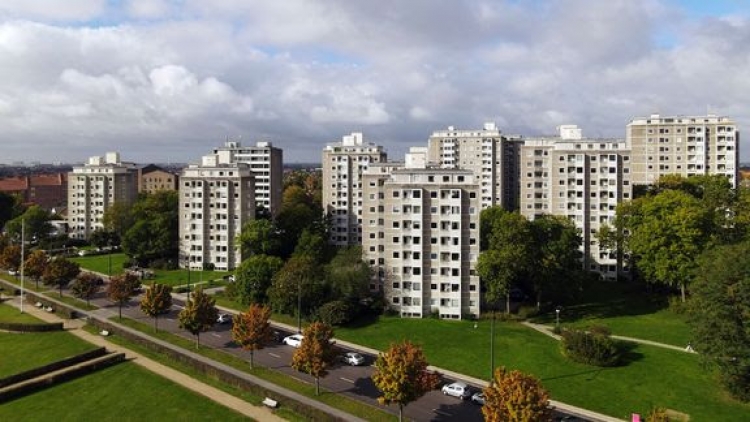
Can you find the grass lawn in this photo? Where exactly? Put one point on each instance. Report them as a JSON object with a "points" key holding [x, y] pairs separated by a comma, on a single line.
{"points": [[24, 351], [100, 264], [628, 311], [654, 376], [121, 392], [224, 301], [346, 404]]}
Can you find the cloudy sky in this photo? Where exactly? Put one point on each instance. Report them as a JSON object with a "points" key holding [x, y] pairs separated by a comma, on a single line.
{"points": [[167, 80]]}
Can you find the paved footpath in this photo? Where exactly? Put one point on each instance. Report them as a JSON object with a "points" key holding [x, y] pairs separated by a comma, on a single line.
{"points": [[75, 327]]}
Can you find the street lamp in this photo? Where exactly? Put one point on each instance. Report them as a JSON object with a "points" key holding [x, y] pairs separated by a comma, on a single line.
{"points": [[557, 320], [299, 305]]}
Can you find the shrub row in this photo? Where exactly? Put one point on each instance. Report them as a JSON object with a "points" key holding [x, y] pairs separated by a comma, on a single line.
{"points": [[592, 347], [54, 366], [212, 371]]}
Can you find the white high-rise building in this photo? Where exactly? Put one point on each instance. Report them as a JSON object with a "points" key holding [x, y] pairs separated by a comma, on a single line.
{"points": [[581, 179], [217, 197], [94, 187], [267, 164], [421, 236], [343, 165], [490, 155], [684, 145]]}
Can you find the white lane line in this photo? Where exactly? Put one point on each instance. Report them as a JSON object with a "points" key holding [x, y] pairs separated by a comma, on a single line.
{"points": [[347, 380], [440, 412], [274, 355], [216, 335]]}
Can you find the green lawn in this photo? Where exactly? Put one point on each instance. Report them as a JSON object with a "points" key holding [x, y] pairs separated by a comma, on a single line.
{"points": [[654, 376], [100, 264], [24, 351], [121, 392], [628, 311]]}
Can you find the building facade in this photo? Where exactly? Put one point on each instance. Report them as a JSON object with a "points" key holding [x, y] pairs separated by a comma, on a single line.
{"points": [[49, 191], [490, 155], [684, 145], [343, 165], [583, 180], [152, 178], [94, 187], [217, 198], [421, 236], [267, 164]]}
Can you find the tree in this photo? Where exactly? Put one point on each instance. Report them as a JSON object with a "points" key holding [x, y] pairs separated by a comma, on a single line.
{"points": [[316, 353], [401, 375], [251, 329], [348, 275], [719, 311], [59, 272], [254, 276], [154, 233], [121, 288], [556, 255], [10, 207], [515, 397], [102, 238], [259, 237], [300, 280], [36, 220], [86, 286], [10, 258], [35, 264], [509, 255], [156, 301], [199, 314], [667, 232], [118, 218]]}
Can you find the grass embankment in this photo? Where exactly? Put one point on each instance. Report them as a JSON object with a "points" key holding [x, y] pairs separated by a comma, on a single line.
{"points": [[101, 264], [341, 402], [24, 351], [121, 392]]}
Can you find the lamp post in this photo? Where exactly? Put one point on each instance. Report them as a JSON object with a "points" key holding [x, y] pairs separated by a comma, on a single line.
{"points": [[299, 305], [23, 258], [557, 319]]}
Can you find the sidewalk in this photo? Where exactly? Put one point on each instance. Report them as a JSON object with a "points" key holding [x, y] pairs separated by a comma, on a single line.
{"points": [[75, 327]]}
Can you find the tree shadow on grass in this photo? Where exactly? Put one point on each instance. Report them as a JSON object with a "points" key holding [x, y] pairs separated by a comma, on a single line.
{"points": [[363, 321], [628, 353]]}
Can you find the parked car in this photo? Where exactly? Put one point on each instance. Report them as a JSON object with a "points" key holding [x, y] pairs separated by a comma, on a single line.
{"points": [[478, 398], [224, 319], [353, 358], [457, 389], [293, 340]]}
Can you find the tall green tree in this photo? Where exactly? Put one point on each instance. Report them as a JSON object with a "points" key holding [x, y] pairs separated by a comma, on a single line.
{"points": [[156, 301], [316, 353], [118, 218], [199, 314], [260, 237], [102, 238], [515, 397], [299, 282], [36, 220], [85, 286], [251, 329], [35, 264], [154, 233], [401, 375], [719, 313], [556, 264], [254, 276], [509, 256], [667, 232], [59, 272], [348, 274], [10, 207]]}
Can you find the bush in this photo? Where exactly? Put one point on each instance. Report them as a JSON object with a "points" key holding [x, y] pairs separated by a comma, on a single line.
{"points": [[163, 264], [677, 306], [658, 414], [526, 312], [591, 348], [336, 312]]}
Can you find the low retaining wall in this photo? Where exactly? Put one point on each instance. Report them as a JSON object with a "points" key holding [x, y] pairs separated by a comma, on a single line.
{"points": [[37, 384], [31, 327], [52, 367]]}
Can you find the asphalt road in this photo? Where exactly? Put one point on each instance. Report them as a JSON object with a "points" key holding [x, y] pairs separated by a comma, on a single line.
{"points": [[352, 381]]}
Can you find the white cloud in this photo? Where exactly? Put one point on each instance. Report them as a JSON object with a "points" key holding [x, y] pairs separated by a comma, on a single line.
{"points": [[67, 10]]}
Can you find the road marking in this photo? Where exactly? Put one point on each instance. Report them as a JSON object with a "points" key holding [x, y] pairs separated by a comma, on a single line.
{"points": [[216, 335], [440, 412], [347, 380], [274, 355]]}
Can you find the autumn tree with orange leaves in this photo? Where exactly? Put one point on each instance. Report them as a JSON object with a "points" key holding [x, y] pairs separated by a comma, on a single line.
{"points": [[316, 353], [515, 397], [251, 330], [401, 375]]}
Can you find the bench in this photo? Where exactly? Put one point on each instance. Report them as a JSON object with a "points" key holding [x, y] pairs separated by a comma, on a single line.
{"points": [[49, 309], [104, 333], [273, 404], [38, 304]]}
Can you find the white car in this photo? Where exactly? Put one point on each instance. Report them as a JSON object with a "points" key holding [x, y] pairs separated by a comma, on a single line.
{"points": [[457, 389], [353, 359], [293, 340], [224, 319]]}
